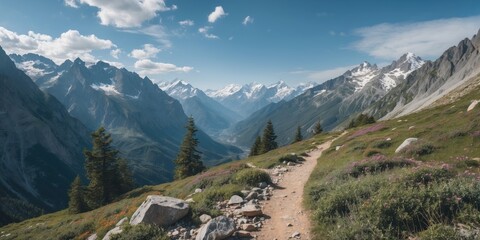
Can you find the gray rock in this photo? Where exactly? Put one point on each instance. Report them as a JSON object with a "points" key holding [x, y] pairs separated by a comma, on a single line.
{"points": [[116, 230], [262, 185], [295, 235], [218, 228], [92, 237], [235, 199], [121, 222], [405, 144], [160, 210], [243, 234], [251, 210], [248, 227], [204, 218], [255, 189], [198, 190], [251, 195], [472, 105]]}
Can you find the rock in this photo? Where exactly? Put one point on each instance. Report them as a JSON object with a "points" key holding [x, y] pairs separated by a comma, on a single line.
{"points": [[116, 230], [121, 222], [248, 227], [235, 199], [262, 185], [198, 190], [258, 190], [245, 192], [405, 144], [204, 218], [241, 221], [251, 195], [295, 235], [337, 148], [472, 105], [92, 237], [243, 234], [290, 164], [411, 127], [160, 210], [218, 228], [251, 210], [289, 225], [388, 139], [190, 200]]}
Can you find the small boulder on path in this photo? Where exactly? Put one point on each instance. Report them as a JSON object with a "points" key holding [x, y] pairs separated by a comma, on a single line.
{"points": [[160, 210], [405, 144], [218, 228], [251, 210], [235, 199]]}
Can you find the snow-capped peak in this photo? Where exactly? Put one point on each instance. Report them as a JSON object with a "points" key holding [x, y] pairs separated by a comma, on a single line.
{"points": [[225, 91], [179, 89]]}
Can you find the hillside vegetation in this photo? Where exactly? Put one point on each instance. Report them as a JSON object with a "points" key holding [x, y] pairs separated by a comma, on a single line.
{"points": [[362, 189]]}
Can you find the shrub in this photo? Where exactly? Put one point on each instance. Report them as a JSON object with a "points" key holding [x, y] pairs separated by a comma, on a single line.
{"points": [[371, 129], [372, 152], [251, 177], [205, 201], [426, 176], [360, 120], [141, 231], [376, 164], [382, 144], [418, 149], [440, 232], [291, 158]]}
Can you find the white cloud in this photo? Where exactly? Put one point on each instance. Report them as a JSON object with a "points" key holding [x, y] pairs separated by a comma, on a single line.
{"points": [[216, 14], [125, 13], [148, 51], [324, 75], [205, 32], [71, 3], [115, 64], [69, 45], [426, 39], [247, 20], [148, 67], [115, 52], [156, 31], [187, 22]]}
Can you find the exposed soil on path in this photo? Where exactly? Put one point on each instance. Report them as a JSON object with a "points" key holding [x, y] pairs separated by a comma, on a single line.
{"points": [[285, 211]]}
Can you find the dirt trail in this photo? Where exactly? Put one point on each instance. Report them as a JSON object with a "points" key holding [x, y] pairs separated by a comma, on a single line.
{"points": [[286, 207]]}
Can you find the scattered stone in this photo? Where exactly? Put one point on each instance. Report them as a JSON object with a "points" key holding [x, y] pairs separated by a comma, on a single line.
{"points": [[388, 139], [92, 237], [116, 230], [245, 192], [289, 225], [241, 221], [251, 210], [411, 127], [248, 227], [262, 185], [121, 222], [255, 189], [243, 234], [295, 235], [235, 199], [291, 164], [218, 228], [337, 148], [198, 190], [251, 195], [472, 105], [204, 218], [405, 144], [190, 200], [160, 210]]}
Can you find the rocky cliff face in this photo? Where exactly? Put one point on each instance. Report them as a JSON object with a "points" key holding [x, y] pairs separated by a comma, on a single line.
{"points": [[432, 81], [41, 144], [332, 102]]}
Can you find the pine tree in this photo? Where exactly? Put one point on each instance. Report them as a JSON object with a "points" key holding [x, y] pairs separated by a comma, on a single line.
{"points": [[102, 164], [317, 129], [298, 135], [76, 203], [268, 138], [188, 161], [256, 147]]}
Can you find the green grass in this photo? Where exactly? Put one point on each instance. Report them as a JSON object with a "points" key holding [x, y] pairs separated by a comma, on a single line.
{"points": [[364, 190]]}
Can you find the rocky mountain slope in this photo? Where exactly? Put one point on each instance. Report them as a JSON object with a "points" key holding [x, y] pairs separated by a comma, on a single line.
{"points": [[210, 116], [251, 97], [146, 124], [331, 102], [432, 81], [41, 146]]}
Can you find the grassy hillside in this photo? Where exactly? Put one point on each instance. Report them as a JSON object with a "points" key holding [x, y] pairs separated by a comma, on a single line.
{"points": [[431, 190], [219, 183]]}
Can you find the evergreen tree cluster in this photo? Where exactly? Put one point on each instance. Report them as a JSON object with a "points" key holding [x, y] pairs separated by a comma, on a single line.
{"points": [[360, 120], [317, 129], [108, 175], [298, 135], [188, 162], [265, 143]]}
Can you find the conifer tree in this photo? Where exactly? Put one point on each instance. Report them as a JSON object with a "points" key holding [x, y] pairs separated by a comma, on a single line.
{"points": [[125, 177], [102, 166], [317, 129], [268, 138], [298, 135], [76, 194], [256, 147], [188, 160]]}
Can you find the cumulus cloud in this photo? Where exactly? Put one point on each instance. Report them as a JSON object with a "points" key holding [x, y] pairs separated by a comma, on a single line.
{"points": [[148, 51], [156, 31], [115, 64], [149, 67], [324, 75], [426, 39], [247, 20], [125, 13], [187, 22], [205, 32], [216, 14], [69, 45], [115, 52]]}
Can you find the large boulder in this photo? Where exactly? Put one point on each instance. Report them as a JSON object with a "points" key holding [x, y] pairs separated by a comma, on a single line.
{"points": [[405, 144], [251, 210], [160, 210], [218, 228]]}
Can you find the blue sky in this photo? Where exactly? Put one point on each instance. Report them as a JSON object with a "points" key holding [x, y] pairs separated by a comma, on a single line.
{"points": [[214, 43]]}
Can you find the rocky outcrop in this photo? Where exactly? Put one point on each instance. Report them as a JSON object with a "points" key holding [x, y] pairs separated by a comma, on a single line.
{"points": [[472, 105], [160, 210], [405, 144], [218, 228]]}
